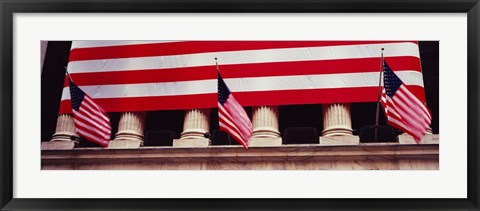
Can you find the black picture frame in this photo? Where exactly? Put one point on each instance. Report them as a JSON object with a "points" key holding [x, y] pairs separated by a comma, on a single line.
{"points": [[10, 7]]}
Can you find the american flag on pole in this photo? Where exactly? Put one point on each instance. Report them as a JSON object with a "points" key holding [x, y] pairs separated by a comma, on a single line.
{"points": [[232, 117], [90, 120], [165, 75], [403, 109]]}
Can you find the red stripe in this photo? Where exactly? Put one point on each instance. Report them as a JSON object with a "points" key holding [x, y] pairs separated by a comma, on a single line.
{"points": [[416, 125], [397, 126], [93, 131], [191, 47], [409, 119], [422, 108], [337, 66], [232, 130], [143, 76], [243, 70], [238, 118], [282, 97], [97, 115], [82, 118], [237, 138], [99, 139], [314, 96], [417, 108], [89, 101], [226, 116], [151, 103]]}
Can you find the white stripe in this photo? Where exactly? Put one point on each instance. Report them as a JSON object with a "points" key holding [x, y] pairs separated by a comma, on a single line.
{"points": [[232, 132], [276, 83], [89, 121], [344, 80], [228, 122], [89, 104], [98, 114], [239, 116], [395, 114], [392, 114], [90, 136], [391, 109], [398, 123], [416, 100], [247, 56], [92, 129], [147, 89], [106, 43], [93, 121], [94, 116], [406, 105], [398, 118], [241, 125], [412, 103], [409, 118], [224, 111]]}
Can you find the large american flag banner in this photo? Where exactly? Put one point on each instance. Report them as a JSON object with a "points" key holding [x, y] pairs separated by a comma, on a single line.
{"points": [[231, 116], [162, 75], [90, 120], [403, 109]]}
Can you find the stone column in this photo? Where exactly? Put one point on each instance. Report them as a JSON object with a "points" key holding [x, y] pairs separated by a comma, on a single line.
{"points": [[130, 130], [337, 124], [196, 123], [336, 120], [265, 126], [65, 136]]}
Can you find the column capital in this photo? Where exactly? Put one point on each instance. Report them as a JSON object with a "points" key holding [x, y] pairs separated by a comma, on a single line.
{"points": [[265, 126], [195, 124], [130, 130], [337, 123], [337, 120], [65, 136]]}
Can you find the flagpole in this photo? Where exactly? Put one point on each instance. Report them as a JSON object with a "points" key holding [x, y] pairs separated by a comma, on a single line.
{"points": [[216, 64], [379, 95], [68, 74]]}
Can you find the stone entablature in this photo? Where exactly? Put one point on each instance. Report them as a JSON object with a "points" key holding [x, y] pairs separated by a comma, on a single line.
{"points": [[286, 157]]}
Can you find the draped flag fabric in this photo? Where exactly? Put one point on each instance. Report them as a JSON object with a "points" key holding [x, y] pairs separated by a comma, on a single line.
{"points": [[403, 109], [91, 122], [162, 75], [231, 116]]}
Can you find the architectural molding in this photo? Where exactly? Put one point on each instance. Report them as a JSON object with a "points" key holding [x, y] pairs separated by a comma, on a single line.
{"points": [[362, 156]]}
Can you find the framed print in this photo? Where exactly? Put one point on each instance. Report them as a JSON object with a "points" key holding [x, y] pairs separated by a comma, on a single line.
{"points": [[239, 105]]}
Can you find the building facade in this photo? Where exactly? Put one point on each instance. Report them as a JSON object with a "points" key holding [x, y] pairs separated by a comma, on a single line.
{"points": [[336, 145]]}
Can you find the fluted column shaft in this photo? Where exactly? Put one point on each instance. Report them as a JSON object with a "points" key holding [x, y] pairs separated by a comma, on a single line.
{"points": [[65, 128], [337, 119], [131, 126], [196, 123], [265, 122]]}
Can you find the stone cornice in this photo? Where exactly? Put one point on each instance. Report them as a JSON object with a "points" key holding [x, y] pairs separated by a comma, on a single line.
{"points": [[284, 153]]}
